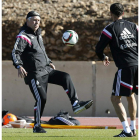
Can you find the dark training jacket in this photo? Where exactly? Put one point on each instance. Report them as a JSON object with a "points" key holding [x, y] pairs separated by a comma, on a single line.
{"points": [[29, 52], [122, 37]]}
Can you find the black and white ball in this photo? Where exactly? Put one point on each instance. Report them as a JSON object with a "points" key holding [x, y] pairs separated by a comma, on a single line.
{"points": [[70, 38]]}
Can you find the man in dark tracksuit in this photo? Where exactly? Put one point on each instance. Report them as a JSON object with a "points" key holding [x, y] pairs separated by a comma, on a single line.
{"points": [[122, 37], [32, 62]]}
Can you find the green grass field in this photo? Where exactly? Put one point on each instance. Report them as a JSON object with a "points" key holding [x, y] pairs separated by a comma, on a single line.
{"points": [[62, 134]]}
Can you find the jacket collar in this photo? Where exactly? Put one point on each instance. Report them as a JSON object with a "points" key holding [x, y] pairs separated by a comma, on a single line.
{"points": [[38, 31], [28, 29]]}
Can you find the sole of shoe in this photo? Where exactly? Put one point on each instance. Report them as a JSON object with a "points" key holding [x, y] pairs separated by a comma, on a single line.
{"points": [[86, 106], [123, 135], [89, 104], [39, 132]]}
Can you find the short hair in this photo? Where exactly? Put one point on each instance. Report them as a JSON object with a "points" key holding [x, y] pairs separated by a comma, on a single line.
{"points": [[117, 9], [29, 18]]}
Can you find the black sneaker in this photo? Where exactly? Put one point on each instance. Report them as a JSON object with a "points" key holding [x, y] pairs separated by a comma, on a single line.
{"points": [[38, 129], [124, 134], [81, 106], [134, 132]]}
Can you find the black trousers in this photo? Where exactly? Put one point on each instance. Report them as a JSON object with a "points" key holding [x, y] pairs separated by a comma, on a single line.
{"points": [[38, 87]]}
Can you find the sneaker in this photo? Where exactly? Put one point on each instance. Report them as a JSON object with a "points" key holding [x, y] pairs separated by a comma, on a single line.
{"points": [[133, 132], [81, 106], [38, 129], [124, 134]]}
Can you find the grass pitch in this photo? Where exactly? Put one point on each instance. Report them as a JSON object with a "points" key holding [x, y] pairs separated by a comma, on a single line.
{"points": [[62, 134]]}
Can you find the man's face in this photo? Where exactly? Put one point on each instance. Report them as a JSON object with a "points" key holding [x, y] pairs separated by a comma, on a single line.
{"points": [[33, 22]]}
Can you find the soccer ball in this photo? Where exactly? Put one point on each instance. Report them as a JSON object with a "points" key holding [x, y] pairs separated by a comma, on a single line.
{"points": [[70, 38], [9, 118]]}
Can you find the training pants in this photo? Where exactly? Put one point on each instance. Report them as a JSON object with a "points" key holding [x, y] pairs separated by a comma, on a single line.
{"points": [[38, 87]]}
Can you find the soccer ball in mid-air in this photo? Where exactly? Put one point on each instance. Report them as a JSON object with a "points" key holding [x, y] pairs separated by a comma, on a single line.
{"points": [[70, 38], [9, 118]]}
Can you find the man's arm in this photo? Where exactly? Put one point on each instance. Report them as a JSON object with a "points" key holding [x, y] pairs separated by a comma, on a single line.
{"points": [[105, 38], [19, 47]]}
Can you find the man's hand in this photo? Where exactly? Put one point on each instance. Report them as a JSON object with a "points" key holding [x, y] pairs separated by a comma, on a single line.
{"points": [[52, 66], [106, 61], [22, 72]]}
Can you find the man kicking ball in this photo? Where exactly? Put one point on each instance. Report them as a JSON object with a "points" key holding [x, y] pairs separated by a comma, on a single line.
{"points": [[30, 58]]}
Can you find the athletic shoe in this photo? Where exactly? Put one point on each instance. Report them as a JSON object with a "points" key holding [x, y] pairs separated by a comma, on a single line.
{"points": [[134, 132], [81, 106], [38, 129], [124, 134]]}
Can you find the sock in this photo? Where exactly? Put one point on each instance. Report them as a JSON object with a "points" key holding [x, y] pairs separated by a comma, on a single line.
{"points": [[75, 103], [126, 127], [133, 124]]}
